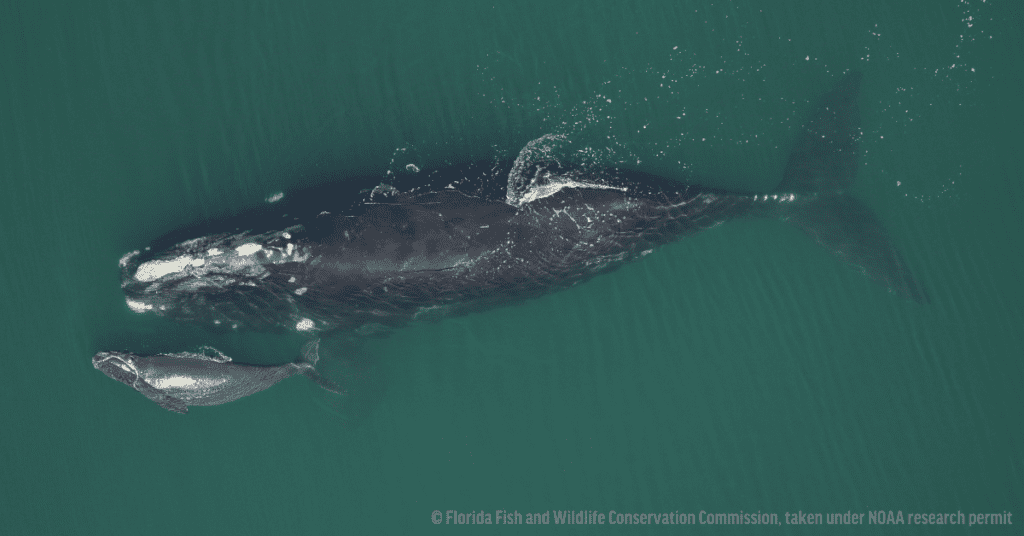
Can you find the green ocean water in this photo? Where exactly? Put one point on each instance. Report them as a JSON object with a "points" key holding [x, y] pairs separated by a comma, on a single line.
{"points": [[741, 369]]}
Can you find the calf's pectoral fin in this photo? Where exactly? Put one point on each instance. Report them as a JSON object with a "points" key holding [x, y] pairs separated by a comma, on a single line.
{"points": [[165, 401]]}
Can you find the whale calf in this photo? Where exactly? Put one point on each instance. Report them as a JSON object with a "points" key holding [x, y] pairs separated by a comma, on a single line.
{"points": [[465, 238], [207, 378]]}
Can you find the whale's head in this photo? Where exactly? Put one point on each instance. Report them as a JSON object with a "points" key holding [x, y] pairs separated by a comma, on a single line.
{"points": [[226, 281], [120, 366]]}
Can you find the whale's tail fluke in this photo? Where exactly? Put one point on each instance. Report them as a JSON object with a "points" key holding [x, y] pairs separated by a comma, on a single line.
{"points": [[824, 156], [307, 362], [344, 367], [821, 166]]}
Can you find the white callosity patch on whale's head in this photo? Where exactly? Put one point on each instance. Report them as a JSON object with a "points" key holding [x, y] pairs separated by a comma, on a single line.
{"points": [[248, 248], [120, 366], [237, 256], [137, 306], [211, 278], [153, 270], [127, 258]]}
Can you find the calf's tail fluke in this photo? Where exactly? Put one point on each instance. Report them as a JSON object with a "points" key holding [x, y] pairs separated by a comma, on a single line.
{"points": [[307, 365], [821, 167]]}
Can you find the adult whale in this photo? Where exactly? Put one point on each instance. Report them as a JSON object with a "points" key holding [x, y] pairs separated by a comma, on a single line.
{"points": [[471, 237]]}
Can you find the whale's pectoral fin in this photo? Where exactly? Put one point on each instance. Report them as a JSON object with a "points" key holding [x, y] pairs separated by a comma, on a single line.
{"points": [[165, 400], [176, 405], [821, 166]]}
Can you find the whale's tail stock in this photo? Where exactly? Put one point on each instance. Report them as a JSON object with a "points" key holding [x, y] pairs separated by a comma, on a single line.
{"points": [[821, 167]]}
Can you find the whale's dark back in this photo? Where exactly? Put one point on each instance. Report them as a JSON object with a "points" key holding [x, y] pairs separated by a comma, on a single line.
{"points": [[337, 257]]}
